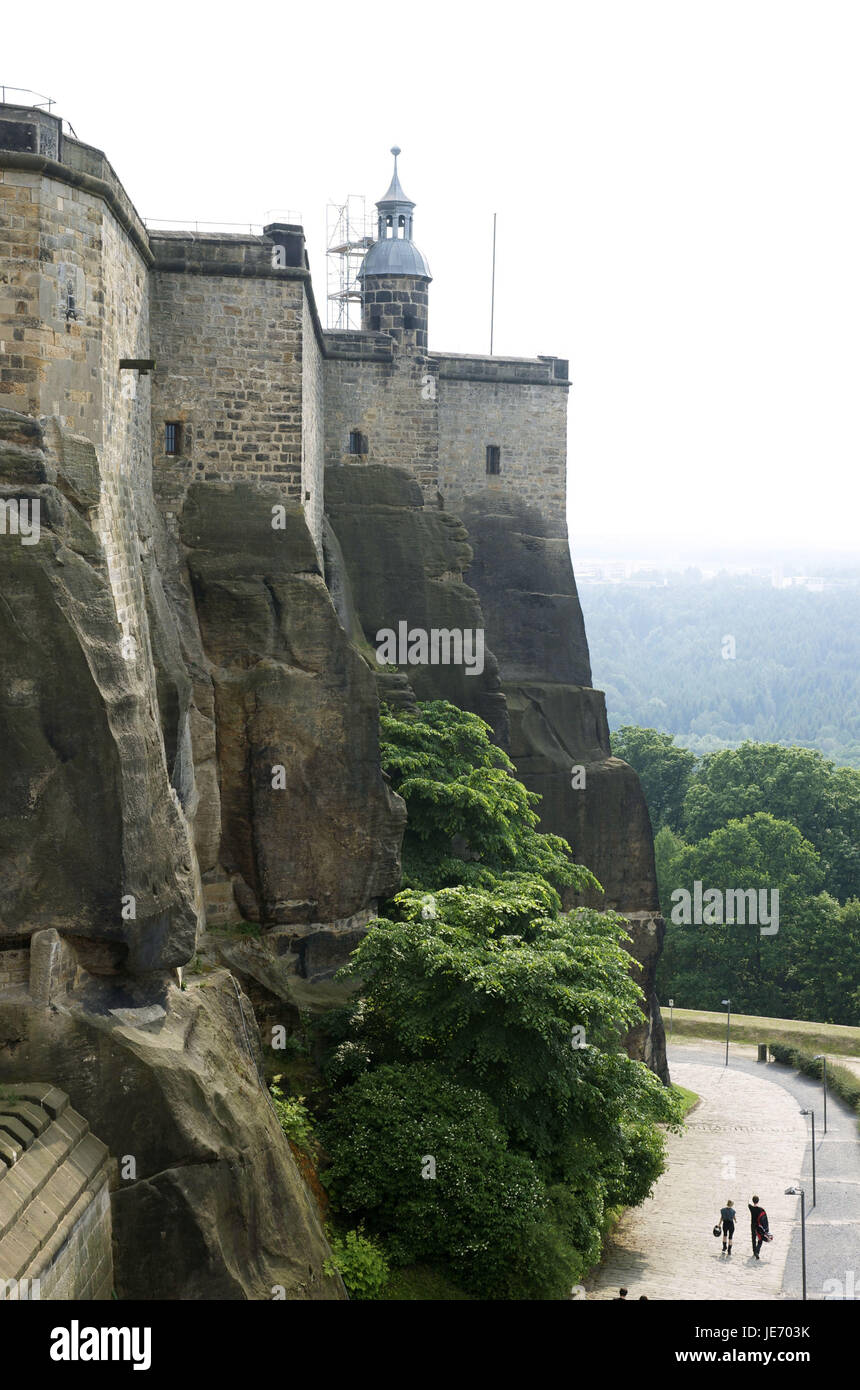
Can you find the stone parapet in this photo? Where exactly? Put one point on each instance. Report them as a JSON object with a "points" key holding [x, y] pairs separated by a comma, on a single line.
{"points": [[361, 347], [33, 140], [519, 371]]}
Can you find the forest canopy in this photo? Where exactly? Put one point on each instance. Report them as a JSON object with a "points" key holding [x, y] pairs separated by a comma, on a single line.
{"points": [[660, 655], [764, 817]]}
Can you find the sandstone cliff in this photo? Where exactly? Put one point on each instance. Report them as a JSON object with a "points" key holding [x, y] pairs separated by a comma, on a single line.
{"points": [[105, 708]]}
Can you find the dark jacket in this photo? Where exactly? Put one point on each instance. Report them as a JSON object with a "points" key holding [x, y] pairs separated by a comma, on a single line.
{"points": [[758, 1217]]}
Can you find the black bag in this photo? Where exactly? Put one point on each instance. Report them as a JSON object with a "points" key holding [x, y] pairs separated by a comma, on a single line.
{"points": [[718, 1230]]}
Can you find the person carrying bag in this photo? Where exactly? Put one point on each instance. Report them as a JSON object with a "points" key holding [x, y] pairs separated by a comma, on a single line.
{"points": [[759, 1226], [726, 1225]]}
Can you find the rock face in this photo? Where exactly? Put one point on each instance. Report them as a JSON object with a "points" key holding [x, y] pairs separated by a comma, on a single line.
{"points": [[527, 591], [207, 1201], [94, 841], [405, 563], [310, 831], [108, 698], [504, 572]]}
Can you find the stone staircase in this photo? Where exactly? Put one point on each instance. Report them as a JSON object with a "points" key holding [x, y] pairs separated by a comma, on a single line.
{"points": [[55, 1224]]}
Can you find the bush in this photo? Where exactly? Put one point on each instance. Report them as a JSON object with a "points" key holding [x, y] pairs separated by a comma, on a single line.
{"points": [[295, 1118], [360, 1263], [483, 1214], [840, 1080], [421, 1283]]}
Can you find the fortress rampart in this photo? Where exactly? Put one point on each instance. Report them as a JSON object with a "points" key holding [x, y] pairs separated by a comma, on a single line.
{"points": [[245, 383]]}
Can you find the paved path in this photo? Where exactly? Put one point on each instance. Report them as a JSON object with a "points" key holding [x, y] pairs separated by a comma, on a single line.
{"points": [[745, 1136]]}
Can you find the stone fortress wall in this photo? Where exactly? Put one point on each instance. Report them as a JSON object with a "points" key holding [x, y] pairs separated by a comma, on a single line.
{"points": [[436, 414], [55, 1215], [519, 405], [77, 302], [241, 362], [238, 356], [390, 399]]}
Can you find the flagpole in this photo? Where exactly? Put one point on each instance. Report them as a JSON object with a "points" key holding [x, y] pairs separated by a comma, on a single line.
{"points": [[493, 290]]}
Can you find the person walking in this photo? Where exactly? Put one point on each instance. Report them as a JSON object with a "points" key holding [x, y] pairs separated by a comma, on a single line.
{"points": [[727, 1220], [758, 1225]]}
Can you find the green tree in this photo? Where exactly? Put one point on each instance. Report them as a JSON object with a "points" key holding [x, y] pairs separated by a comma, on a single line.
{"points": [[488, 1029], [498, 1011], [702, 961], [793, 784], [664, 771], [667, 848], [470, 820], [823, 970]]}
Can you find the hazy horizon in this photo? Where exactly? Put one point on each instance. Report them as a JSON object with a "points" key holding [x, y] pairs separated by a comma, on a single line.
{"points": [[669, 552]]}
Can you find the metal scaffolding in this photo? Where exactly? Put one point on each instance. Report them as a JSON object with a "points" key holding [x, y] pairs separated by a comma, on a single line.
{"points": [[348, 240]]}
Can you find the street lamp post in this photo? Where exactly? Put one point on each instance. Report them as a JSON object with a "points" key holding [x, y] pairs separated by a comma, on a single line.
{"points": [[799, 1192], [671, 1017], [728, 1004], [820, 1057], [811, 1113]]}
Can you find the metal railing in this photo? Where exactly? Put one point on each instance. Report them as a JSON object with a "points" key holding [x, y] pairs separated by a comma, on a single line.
{"points": [[195, 225], [25, 92]]}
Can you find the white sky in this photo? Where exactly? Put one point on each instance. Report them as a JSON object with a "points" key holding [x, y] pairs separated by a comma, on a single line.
{"points": [[676, 186]]}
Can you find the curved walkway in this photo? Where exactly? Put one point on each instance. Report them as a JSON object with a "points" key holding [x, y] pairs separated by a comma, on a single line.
{"points": [[746, 1135]]}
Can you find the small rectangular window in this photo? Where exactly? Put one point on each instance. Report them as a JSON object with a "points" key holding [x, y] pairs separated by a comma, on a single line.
{"points": [[357, 442], [494, 458], [173, 437]]}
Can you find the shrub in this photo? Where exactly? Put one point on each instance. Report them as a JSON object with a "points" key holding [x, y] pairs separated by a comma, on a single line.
{"points": [[484, 1212], [360, 1263], [840, 1080], [421, 1283], [295, 1118]]}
